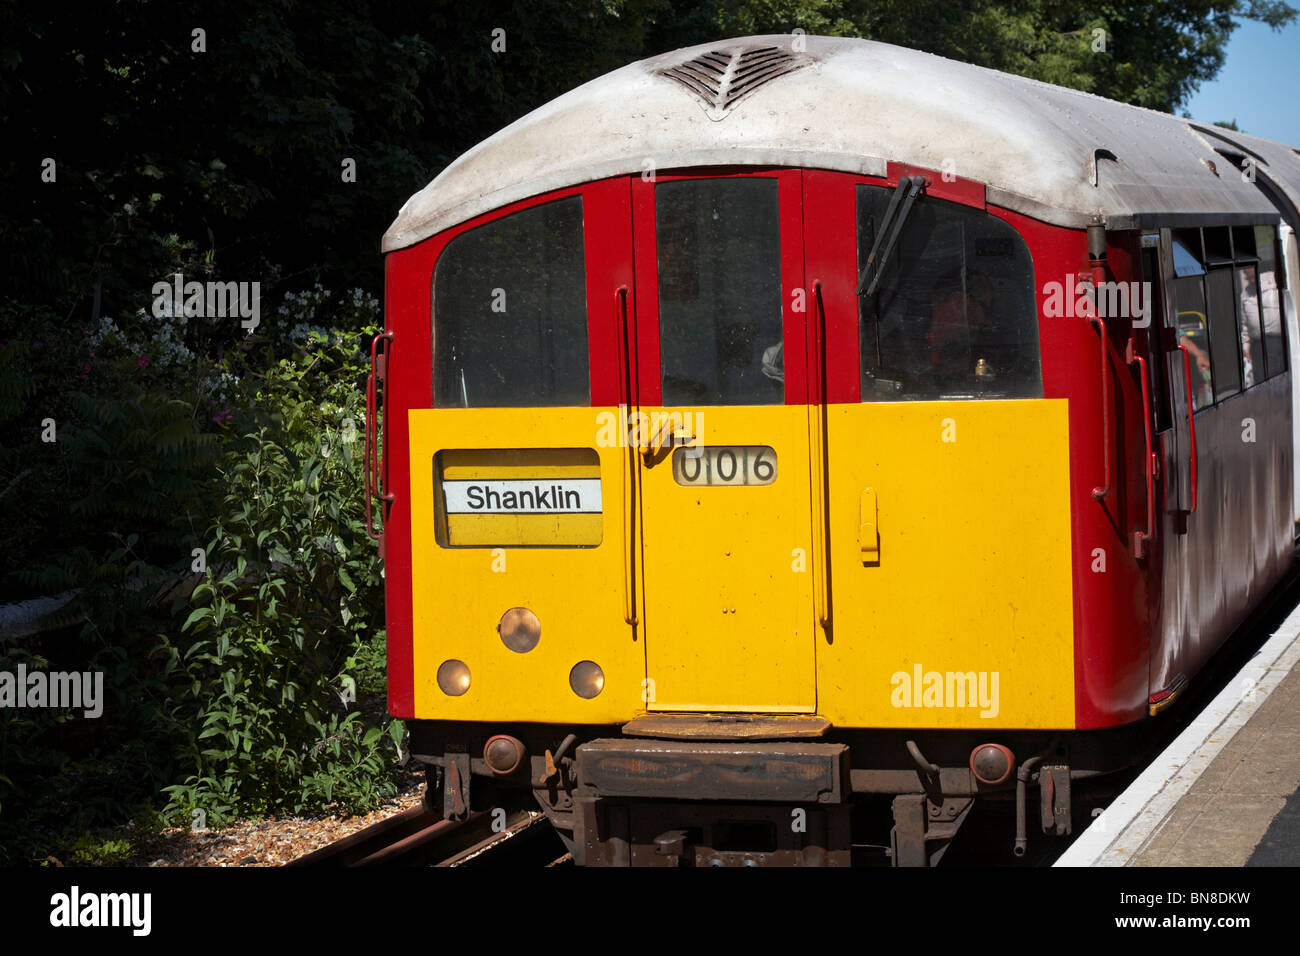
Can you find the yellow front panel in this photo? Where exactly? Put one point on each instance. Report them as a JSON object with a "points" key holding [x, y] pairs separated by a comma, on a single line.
{"points": [[966, 502], [575, 588], [971, 587], [729, 621]]}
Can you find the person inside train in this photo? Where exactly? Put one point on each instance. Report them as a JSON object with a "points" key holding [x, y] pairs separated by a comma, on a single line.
{"points": [[1191, 336], [961, 325]]}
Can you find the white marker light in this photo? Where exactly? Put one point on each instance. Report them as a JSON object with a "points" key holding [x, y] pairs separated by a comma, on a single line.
{"points": [[453, 678], [587, 679]]}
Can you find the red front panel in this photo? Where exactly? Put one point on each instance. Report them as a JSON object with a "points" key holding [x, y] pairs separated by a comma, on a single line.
{"points": [[1112, 631]]}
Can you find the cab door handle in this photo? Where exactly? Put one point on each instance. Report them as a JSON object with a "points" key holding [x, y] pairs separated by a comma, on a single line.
{"points": [[668, 437], [868, 533], [631, 412], [816, 372]]}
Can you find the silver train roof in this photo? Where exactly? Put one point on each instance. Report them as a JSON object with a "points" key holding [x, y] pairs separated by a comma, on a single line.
{"points": [[1055, 154]]}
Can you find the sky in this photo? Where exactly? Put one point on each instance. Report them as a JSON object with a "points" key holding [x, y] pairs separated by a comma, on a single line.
{"points": [[1259, 85]]}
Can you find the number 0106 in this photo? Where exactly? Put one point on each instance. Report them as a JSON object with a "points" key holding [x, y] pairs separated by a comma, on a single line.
{"points": [[725, 465]]}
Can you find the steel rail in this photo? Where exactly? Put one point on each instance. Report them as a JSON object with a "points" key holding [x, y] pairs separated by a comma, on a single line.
{"points": [[416, 836]]}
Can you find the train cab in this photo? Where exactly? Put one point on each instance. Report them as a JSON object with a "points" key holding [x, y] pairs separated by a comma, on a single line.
{"points": [[787, 423]]}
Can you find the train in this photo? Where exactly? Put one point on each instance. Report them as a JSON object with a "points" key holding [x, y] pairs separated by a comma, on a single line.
{"points": [[783, 445]]}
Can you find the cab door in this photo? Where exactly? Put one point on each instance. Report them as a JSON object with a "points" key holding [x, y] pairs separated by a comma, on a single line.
{"points": [[947, 469], [721, 443], [519, 553]]}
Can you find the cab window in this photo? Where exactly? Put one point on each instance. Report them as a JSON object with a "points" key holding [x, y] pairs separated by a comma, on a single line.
{"points": [[720, 334], [953, 314], [510, 312]]}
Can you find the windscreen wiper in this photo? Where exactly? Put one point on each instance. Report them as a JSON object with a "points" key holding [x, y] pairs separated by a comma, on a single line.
{"points": [[900, 204]]}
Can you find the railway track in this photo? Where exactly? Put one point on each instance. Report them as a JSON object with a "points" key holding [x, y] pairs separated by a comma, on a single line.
{"points": [[524, 839], [416, 837]]}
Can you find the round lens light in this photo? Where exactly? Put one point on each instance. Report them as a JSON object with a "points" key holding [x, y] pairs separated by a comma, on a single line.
{"points": [[587, 679], [503, 754], [453, 678], [520, 630], [992, 763]]}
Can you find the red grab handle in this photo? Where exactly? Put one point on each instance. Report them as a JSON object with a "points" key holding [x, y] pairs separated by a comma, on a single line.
{"points": [[1101, 491], [371, 464], [1142, 538], [1191, 419]]}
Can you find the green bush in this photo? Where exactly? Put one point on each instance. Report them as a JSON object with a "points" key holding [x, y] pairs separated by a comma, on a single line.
{"points": [[92, 850], [290, 603]]}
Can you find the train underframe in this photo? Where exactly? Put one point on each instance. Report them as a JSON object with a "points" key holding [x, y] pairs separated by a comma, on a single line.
{"points": [[732, 790]]}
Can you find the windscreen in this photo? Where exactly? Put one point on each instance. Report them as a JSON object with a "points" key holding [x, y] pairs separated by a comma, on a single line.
{"points": [[954, 314], [510, 312]]}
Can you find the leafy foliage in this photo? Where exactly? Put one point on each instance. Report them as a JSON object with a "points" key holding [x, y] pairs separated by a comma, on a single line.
{"points": [[290, 596], [226, 162], [1153, 54], [91, 850]]}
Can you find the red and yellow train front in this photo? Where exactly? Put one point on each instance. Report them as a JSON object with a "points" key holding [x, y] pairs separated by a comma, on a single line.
{"points": [[682, 445]]}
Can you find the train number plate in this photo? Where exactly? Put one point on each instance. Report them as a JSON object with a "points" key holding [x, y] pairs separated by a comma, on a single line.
{"points": [[725, 465]]}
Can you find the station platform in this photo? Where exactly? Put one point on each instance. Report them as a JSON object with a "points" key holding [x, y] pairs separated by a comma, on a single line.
{"points": [[1226, 792]]}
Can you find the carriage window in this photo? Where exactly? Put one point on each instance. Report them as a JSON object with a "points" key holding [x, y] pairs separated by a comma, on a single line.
{"points": [[720, 291], [954, 314], [1243, 242], [1187, 252], [1194, 335], [1218, 245], [1270, 302], [510, 312], [1252, 339], [1225, 340]]}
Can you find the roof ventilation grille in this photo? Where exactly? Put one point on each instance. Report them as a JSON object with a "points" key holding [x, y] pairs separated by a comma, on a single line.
{"points": [[720, 79]]}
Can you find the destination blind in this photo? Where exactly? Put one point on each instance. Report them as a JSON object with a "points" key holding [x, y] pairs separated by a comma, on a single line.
{"points": [[523, 496]]}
